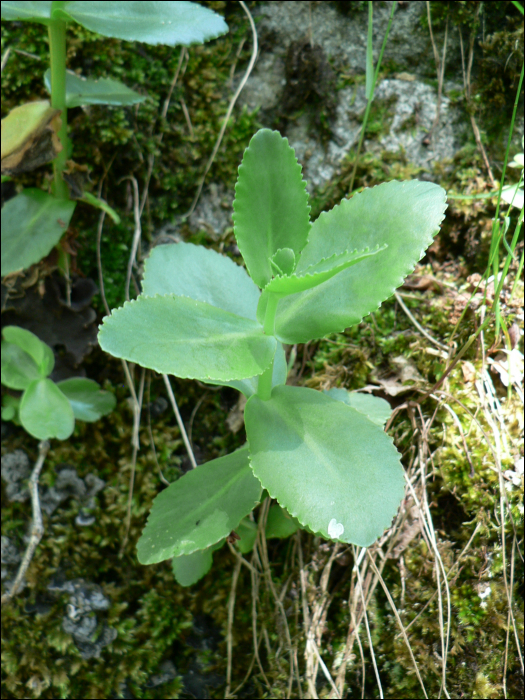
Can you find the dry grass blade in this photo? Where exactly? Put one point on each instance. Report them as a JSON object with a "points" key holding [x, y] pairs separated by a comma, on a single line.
{"points": [[229, 110], [370, 643], [398, 619], [418, 325], [229, 633], [182, 429]]}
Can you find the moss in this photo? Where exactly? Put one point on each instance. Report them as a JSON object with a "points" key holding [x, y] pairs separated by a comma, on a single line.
{"points": [[116, 142], [496, 30], [156, 620]]}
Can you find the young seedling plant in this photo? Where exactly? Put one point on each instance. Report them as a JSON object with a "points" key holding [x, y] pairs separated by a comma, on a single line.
{"points": [[45, 409], [323, 456], [35, 133]]}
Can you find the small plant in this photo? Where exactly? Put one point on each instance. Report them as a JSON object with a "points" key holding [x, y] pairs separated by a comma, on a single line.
{"points": [[45, 409], [33, 134], [323, 456]]}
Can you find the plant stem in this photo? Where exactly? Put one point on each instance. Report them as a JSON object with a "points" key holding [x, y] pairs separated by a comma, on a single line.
{"points": [[57, 56], [271, 308], [57, 52], [264, 389]]}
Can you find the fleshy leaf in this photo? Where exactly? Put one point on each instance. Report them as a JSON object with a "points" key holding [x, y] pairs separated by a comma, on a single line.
{"points": [[88, 401], [403, 215], [167, 22], [313, 276], [187, 338], [200, 273], [32, 224], [27, 11], [18, 367], [10, 408], [247, 531], [45, 412], [104, 91], [283, 261], [200, 508], [280, 524], [271, 204], [30, 343], [189, 568], [332, 468], [377, 409], [250, 386]]}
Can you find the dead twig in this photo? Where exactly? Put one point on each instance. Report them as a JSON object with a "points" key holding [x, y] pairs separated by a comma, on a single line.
{"points": [[440, 68], [398, 619], [229, 110], [137, 407], [179, 420], [467, 72], [37, 528], [418, 325], [229, 633]]}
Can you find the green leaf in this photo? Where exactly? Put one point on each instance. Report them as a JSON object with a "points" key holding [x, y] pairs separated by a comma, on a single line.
{"points": [[10, 408], [187, 338], [45, 412], [200, 273], [87, 399], [250, 386], [280, 524], [378, 410], [330, 466], [30, 343], [18, 368], [313, 276], [30, 11], [403, 215], [283, 261], [169, 23], [271, 204], [320, 272], [200, 508], [189, 568], [32, 224], [104, 91], [90, 199], [247, 531]]}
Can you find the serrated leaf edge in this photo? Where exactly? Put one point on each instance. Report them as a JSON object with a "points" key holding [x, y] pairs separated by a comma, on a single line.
{"points": [[234, 212], [295, 515], [308, 339], [171, 294]]}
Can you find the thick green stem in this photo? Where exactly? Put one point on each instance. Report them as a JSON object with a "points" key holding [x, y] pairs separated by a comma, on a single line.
{"points": [[264, 389], [271, 308], [57, 57], [57, 51]]}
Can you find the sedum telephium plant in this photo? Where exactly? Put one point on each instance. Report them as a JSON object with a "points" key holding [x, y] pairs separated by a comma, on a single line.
{"points": [[324, 456]]}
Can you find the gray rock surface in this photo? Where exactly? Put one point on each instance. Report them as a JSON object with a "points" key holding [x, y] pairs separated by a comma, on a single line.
{"points": [[410, 97]]}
